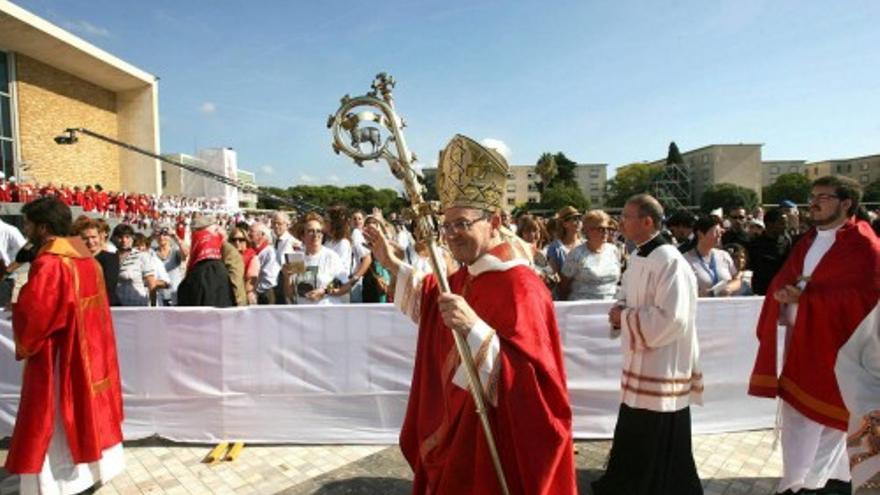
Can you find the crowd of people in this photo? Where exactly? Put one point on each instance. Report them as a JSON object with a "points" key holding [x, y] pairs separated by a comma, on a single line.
{"points": [[274, 258], [144, 211]]}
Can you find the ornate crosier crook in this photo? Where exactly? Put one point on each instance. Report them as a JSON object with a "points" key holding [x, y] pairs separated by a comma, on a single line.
{"points": [[346, 123]]}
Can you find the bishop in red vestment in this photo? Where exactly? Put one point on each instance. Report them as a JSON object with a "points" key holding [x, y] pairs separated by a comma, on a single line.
{"points": [[506, 314], [71, 394]]}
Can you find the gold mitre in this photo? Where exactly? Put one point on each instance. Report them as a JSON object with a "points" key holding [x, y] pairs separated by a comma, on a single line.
{"points": [[471, 176]]}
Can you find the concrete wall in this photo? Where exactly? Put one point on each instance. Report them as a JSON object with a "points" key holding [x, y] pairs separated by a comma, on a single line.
{"points": [[591, 178], [740, 165], [771, 170], [50, 101], [138, 114], [864, 169]]}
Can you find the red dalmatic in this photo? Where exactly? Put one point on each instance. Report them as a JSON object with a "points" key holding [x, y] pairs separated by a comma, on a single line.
{"points": [[843, 288], [62, 328], [442, 437]]}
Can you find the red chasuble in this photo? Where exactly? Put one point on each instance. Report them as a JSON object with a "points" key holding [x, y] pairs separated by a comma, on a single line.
{"points": [[842, 290], [442, 437], [62, 328]]}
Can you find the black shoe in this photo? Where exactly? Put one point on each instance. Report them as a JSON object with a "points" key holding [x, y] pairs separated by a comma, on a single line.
{"points": [[836, 487]]}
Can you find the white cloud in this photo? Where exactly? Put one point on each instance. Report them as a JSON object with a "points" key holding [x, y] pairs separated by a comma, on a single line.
{"points": [[334, 179], [87, 28], [267, 169], [208, 108], [308, 179], [497, 145]]}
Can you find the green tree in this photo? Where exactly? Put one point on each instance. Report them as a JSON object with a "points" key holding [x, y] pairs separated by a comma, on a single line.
{"points": [[558, 196], [546, 169], [674, 156], [429, 180], [362, 197], [794, 187], [628, 181], [872, 192], [728, 196], [564, 170]]}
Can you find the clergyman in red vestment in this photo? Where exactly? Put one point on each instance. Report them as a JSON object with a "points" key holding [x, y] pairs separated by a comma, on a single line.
{"points": [[68, 431], [824, 291], [506, 314]]}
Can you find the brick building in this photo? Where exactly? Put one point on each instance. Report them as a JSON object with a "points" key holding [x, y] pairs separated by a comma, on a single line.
{"points": [[51, 80]]}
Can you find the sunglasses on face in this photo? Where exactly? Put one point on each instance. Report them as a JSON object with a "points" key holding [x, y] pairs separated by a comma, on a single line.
{"points": [[238, 239]]}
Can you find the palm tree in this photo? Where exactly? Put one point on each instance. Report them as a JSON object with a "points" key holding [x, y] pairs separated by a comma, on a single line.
{"points": [[546, 169]]}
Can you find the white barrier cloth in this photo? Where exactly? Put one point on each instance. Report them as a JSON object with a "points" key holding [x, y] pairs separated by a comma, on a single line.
{"points": [[341, 374]]}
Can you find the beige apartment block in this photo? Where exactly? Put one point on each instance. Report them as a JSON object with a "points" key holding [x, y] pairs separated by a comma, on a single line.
{"points": [[59, 81], [738, 164], [522, 184], [772, 169], [863, 169]]}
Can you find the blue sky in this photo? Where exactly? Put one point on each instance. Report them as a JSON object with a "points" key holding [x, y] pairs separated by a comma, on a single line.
{"points": [[602, 81]]}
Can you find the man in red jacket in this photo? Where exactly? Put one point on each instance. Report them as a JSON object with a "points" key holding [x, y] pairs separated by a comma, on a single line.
{"points": [[825, 289], [505, 312], [68, 431]]}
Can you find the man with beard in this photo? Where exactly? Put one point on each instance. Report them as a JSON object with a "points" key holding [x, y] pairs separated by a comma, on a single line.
{"points": [[824, 291], [68, 432], [506, 315], [736, 234]]}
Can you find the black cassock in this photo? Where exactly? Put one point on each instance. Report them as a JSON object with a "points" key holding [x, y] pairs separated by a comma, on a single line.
{"points": [[206, 284]]}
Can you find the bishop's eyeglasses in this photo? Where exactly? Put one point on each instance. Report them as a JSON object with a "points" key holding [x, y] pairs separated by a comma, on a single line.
{"points": [[459, 226]]}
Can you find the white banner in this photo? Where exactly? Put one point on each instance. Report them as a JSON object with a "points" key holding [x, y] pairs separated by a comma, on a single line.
{"points": [[341, 374]]}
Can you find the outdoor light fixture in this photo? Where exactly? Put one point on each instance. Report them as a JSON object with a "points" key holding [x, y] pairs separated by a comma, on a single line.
{"points": [[69, 137]]}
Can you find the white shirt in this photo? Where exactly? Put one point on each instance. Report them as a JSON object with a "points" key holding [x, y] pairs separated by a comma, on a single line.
{"points": [[11, 241], [284, 245], [269, 270], [132, 270], [711, 272], [321, 269]]}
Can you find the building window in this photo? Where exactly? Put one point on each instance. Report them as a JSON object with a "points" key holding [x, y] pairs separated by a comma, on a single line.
{"points": [[864, 166], [7, 154], [863, 179], [511, 188], [774, 170], [594, 187], [533, 199], [511, 201], [531, 175], [164, 179], [705, 159], [510, 175], [594, 200], [793, 168], [594, 174], [533, 188]]}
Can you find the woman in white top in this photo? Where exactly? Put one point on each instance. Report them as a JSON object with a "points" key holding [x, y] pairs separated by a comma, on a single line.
{"points": [[137, 275], [716, 273], [591, 270], [325, 279]]}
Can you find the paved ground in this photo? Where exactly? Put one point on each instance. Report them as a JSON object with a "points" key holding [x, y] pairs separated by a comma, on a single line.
{"points": [[736, 463]]}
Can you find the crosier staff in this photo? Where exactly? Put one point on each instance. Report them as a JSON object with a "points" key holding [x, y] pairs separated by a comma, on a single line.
{"points": [[346, 123]]}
